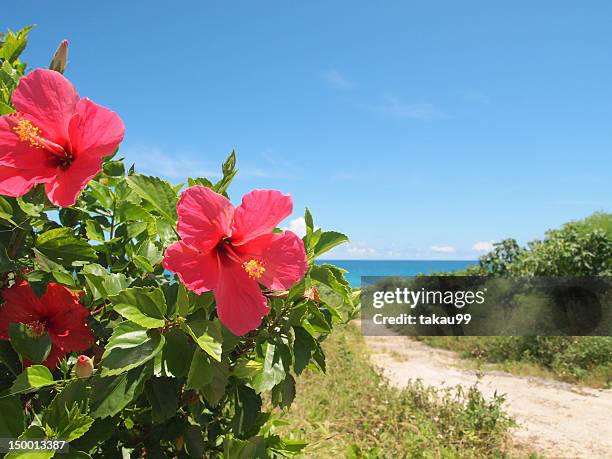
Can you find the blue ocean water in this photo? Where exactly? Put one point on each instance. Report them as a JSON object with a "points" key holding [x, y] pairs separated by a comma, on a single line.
{"points": [[358, 268]]}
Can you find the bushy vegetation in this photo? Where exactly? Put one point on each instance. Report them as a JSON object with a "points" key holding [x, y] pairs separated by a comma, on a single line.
{"points": [[353, 412], [84, 242], [580, 248]]}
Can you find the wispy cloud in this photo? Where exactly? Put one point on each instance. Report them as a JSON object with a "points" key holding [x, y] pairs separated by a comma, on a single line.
{"points": [[153, 160], [337, 81], [483, 246], [177, 166], [392, 106], [443, 249]]}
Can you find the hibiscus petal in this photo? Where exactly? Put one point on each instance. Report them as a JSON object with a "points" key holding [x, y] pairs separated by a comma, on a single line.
{"points": [[16, 153], [260, 212], [240, 303], [64, 189], [198, 271], [21, 305], [283, 256], [204, 217], [95, 130], [17, 182], [66, 319], [50, 99]]}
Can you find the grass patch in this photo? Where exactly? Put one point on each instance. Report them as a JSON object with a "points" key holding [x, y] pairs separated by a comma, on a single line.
{"points": [[352, 412], [577, 359]]}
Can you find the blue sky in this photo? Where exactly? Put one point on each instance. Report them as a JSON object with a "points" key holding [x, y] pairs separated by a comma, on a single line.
{"points": [[420, 129]]}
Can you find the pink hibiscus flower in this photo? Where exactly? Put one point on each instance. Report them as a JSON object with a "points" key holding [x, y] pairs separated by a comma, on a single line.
{"points": [[58, 312], [55, 138], [232, 250]]}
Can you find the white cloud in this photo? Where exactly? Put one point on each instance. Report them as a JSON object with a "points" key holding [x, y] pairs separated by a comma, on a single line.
{"points": [[483, 246], [298, 226], [442, 248], [337, 80], [394, 107], [360, 248], [154, 161]]}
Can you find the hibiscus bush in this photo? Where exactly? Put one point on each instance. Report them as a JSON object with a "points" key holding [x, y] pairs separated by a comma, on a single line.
{"points": [[137, 317]]}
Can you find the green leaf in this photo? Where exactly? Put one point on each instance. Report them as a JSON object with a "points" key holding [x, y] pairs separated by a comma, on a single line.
{"points": [[101, 193], [208, 335], [143, 306], [162, 394], [215, 391], [254, 447], [6, 210], [130, 346], [284, 393], [74, 393], [9, 357], [13, 44], [72, 425], [272, 372], [309, 222], [327, 241], [114, 168], [194, 442], [330, 275], [157, 192], [110, 395], [94, 230], [32, 347], [12, 421], [303, 347], [200, 371], [32, 379], [101, 283], [177, 352], [62, 247], [248, 408], [6, 264], [33, 203]]}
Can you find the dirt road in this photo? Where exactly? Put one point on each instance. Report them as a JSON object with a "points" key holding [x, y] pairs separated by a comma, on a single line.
{"points": [[557, 419]]}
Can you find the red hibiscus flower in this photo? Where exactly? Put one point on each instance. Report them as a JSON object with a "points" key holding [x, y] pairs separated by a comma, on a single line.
{"points": [[58, 312], [230, 251], [55, 138]]}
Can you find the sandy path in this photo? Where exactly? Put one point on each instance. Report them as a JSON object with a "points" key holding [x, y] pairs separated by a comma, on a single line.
{"points": [[557, 419]]}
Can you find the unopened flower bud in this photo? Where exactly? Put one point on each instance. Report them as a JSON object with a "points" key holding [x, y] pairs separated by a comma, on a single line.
{"points": [[58, 63], [84, 367]]}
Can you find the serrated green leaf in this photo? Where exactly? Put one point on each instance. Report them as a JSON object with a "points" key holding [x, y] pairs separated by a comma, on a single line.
{"points": [[111, 394], [208, 335], [272, 372], [62, 247], [327, 241], [157, 192], [177, 353], [130, 346], [200, 371], [31, 379], [162, 394], [143, 306]]}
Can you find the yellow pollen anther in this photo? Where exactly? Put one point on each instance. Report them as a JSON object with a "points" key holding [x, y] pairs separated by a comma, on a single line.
{"points": [[254, 268], [35, 329], [27, 132]]}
